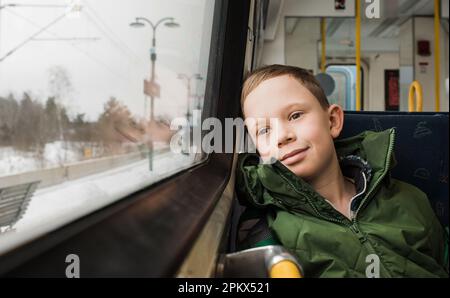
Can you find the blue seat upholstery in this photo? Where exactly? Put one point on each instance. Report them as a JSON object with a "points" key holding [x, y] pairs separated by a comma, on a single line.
{"points": [[421, 150]]}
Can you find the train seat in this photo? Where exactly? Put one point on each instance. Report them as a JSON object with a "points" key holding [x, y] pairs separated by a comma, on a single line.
{"points": [[421, 150]]}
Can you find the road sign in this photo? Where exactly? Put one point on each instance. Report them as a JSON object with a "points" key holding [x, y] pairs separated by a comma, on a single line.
{"points": [[152, 88]]}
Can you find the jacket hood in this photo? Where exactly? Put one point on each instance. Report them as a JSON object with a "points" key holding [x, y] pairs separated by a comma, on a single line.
{"points": [[260, 185]]}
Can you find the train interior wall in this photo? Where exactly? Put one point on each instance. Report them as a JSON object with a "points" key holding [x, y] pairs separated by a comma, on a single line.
{"points": [[299, 45]]}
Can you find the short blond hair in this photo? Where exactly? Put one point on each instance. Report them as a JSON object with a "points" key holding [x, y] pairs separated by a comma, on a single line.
{"points": [[303, 76]]}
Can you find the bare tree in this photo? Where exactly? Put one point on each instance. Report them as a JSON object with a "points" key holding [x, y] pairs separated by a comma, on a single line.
{"points": [[61, 89], [60, 85]]}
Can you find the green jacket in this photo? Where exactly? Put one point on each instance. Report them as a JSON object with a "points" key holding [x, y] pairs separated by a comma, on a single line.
{"points": [[391, 219]]}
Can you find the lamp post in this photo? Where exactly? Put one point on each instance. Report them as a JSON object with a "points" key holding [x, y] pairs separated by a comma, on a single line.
{"points": [[153, 88], [199, 101], [139, 23], [188, 79]]}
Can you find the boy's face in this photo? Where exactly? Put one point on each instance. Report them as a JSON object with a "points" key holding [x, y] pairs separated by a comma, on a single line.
{"points": [[288, 123]]}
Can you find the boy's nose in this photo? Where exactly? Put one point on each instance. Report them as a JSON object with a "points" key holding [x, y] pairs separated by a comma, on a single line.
{"points": [[285, 138]]}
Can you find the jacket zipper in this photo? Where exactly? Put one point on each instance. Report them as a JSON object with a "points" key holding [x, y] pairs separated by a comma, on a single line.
{"points": [[354, 227], [386, 169]]}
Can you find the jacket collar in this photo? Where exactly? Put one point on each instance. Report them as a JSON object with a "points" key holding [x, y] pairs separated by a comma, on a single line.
{"points": [[273, 184], [359, 172]]}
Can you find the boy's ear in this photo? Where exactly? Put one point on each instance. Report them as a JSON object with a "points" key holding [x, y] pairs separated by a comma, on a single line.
{"points": [[336, 120]]}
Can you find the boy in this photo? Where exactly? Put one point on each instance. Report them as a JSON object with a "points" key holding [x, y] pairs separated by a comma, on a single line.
{"points": [[331, 203]]}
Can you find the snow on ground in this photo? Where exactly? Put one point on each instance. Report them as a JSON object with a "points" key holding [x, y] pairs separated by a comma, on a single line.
{"points": [[55, 206], [55, 154], [58, 153], [12, 162]]}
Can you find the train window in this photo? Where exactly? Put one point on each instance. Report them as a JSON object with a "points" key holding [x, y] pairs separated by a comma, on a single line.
{"points": [[345, 85], [89, 94]]}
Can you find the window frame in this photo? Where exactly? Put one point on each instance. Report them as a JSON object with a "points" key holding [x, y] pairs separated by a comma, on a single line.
{"points": [[150, 232]]}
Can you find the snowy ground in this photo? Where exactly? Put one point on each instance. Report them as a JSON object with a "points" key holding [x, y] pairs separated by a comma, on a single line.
{"points": [[55, 154], [55, 206]]}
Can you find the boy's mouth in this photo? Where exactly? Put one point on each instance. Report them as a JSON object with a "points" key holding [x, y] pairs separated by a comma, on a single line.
{"points": [[294, 156]]}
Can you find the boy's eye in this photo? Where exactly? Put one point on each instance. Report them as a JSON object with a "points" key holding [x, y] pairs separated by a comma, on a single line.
{"points": [[295, 115], [262, 131]]}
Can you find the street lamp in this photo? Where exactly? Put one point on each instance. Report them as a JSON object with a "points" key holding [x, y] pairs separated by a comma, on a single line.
{"points": [[139, 23], [153, 90], [182, 76]]}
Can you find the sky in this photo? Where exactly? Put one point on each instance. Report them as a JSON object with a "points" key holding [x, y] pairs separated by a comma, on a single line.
{"points": [[102, 55]]}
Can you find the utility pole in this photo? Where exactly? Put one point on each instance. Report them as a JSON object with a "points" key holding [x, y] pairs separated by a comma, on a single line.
{"points": [[188, 79], [151, 88]]}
